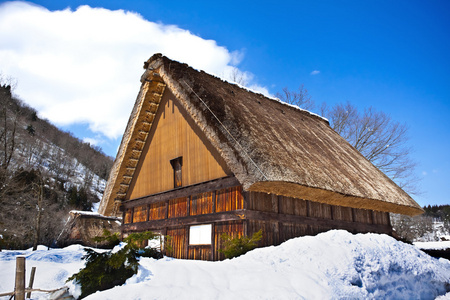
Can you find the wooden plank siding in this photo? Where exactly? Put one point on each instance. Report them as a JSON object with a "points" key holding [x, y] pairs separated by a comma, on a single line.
{"points": [[201, 204], [140, 214], [234, 229], [229, 199], [157, 211], [231, 210], [176, 242], [174, 134], [178, 207], [202, 252], [127, 218]]}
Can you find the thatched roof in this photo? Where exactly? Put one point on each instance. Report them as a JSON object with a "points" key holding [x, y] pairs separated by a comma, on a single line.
{"points": [[270, 146]]}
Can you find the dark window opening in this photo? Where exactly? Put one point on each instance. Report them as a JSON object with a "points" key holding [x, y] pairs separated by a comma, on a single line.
{"points": [[177, 163]]}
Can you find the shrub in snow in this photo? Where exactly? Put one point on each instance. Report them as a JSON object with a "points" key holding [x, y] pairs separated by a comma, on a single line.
{"points": [[108, 269], [110, 239], [238, 246]]}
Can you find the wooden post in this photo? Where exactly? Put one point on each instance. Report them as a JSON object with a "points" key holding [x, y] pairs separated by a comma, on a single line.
{"points": [[308, 208], [186, 241], [30, 285], [213, 248], [166, 213], [188, 205], [214, 199], [20, 278], [275, 206]]}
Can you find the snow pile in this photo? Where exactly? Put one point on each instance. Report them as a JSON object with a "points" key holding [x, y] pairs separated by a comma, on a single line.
{"points": [[332, 265], [433, 245], [53, 267]]}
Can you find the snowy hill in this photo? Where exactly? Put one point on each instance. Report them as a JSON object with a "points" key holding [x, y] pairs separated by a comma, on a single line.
{"points": [[332, 265], [44, 173]]}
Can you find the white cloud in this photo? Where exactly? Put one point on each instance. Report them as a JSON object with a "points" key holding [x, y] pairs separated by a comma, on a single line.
{"points": [[84, 65], [92, 141], [315, 72]]}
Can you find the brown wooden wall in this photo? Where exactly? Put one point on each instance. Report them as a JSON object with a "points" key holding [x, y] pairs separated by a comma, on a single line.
{"points": [[178, 239], [234, 212], [229, 199], [177, 242], [201, 204], [157, 211], [174, 134], [282, 218], [298, 207], [221, 201], [234, 229], [178, 208]]}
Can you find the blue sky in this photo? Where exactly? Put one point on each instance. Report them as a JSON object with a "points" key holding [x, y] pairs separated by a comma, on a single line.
{"points": [[392, 55]]}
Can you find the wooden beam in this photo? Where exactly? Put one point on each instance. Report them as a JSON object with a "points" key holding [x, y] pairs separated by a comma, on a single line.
{"points": [[338, 224], [186, 241], [185, 221], [214, 199], [275, 206], [188, 205], [213, 233], [184, 191]]}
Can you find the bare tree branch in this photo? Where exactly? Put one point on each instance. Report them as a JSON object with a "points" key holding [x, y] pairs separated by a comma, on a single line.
{"points": [[301, 98], [381, 140]]}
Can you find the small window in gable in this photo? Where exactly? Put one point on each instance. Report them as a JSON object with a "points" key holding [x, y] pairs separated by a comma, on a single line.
{"points": [[177, 163], [200, 235]]}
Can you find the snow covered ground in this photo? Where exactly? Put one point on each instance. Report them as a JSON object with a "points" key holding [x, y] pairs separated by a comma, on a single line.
{"points": [[332, 265], [433, 245]]}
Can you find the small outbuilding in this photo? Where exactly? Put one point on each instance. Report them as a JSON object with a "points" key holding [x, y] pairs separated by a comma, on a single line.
{"points": [[201, 157], [83, 226]]}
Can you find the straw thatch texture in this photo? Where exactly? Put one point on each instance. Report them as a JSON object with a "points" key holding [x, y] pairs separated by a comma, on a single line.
{"points": [[276, 148]]}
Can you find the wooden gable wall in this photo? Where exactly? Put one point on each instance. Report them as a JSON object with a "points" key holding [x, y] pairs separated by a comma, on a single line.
{"points": [[174, 135]]}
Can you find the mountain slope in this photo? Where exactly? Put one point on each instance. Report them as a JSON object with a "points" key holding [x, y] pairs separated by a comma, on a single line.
{"points": [[44, 172]]}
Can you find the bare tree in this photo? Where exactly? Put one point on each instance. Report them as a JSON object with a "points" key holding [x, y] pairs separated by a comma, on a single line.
{"points": [[413, 229], [8, 127], [237, 76], [300, 98], [383, 141], [38, 188]]}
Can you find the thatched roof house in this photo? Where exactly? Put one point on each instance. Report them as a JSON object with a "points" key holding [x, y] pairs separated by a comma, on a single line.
{"points": [[265, 145]]}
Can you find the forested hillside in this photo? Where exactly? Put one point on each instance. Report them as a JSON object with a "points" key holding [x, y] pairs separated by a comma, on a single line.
{"points": [[44, 173], [433, 225]]}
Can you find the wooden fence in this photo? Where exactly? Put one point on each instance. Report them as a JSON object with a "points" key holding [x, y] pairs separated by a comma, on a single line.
{"points": [[20, 290]]}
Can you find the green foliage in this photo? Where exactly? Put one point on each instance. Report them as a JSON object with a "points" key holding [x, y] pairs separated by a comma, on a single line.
{"points": [[78, 198], [106, 270], [31, 129], [108, 239], [441, 212], [234, 247]]}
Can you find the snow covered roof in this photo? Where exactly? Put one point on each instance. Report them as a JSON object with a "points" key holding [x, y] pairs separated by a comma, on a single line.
{"points": [[269, 146], [92, 214]]}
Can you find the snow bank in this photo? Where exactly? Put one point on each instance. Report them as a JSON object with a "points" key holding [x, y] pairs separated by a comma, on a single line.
{"points": [[433, 245], [53, 267], [332, 265]]}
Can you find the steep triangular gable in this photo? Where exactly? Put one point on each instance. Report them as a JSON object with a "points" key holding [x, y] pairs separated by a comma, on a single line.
{"points": [[174, 135]]}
